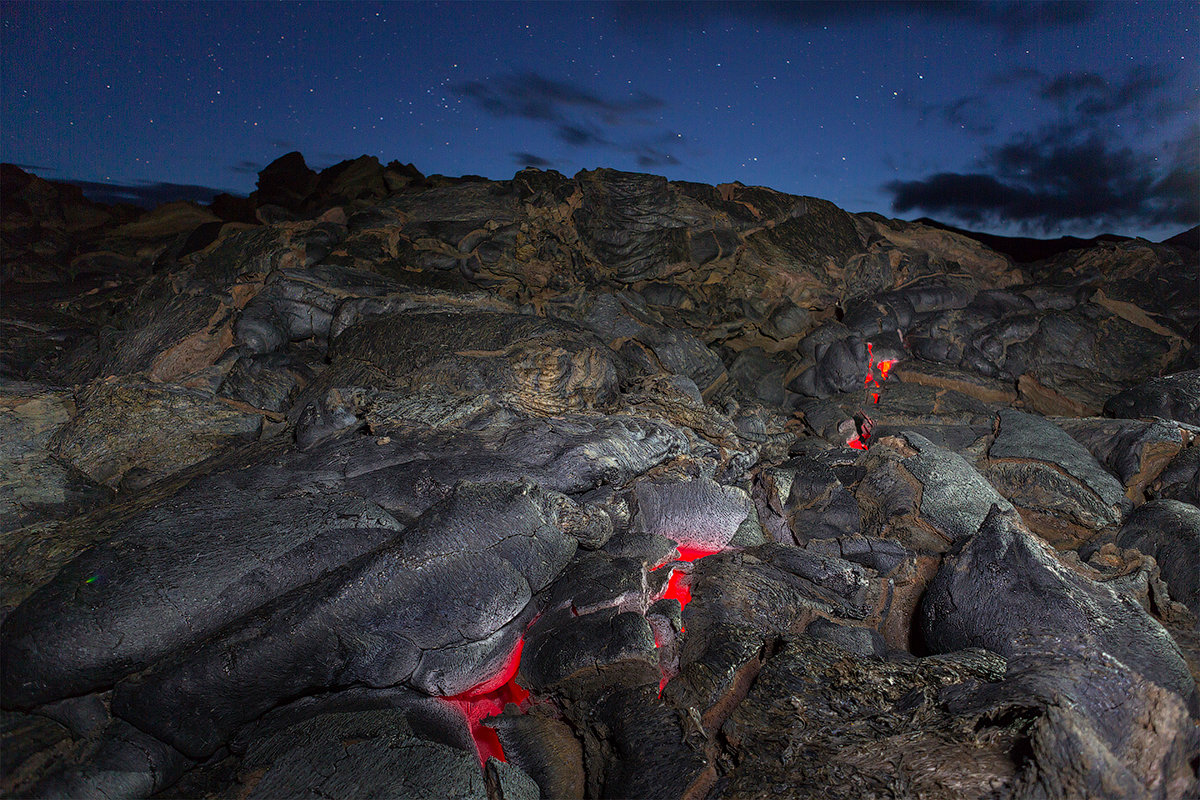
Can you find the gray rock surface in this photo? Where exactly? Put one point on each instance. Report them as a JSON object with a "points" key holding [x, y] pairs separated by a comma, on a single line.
{"points": [[1169, 530], [1174, 397], [1006, 591]]}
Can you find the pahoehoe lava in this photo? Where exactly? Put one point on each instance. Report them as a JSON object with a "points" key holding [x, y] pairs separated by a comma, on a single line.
{"points": [[619, 487]]}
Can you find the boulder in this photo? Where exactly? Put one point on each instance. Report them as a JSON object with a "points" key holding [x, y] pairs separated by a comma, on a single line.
{"points": [[1174, 397], [984, 596], [35, 485], [133, 430], [1169, 530], [1064, 495]]}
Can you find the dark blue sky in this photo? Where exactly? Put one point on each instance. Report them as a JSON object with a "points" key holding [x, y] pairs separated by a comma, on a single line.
{"points": [[1039, 118]]}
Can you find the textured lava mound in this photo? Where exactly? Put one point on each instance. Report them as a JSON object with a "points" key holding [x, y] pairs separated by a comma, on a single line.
{"points": [[621, 487]]}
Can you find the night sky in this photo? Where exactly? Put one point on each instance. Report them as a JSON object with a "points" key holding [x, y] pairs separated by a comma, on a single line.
{"points": [[1038, 119]]}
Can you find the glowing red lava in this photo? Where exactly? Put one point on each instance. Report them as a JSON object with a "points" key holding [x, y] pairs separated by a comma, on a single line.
{"points": [[487, 700], [884, 368], [859, 440], [676, 590]]}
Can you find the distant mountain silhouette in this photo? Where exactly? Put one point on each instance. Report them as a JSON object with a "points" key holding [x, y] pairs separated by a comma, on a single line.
{"points": [[1026, 249], [1189, 239]]}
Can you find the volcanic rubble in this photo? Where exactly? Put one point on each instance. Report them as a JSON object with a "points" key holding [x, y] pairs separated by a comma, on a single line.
{"points": [[377, 484]]}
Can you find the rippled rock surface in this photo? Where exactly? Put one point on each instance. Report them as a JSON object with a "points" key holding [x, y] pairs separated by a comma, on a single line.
{"points": [[379, 484]]}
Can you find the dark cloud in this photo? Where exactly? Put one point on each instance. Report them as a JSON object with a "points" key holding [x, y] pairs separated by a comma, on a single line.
{"points": [[1013, 18], [649, 156], [1088, 164], [531, 160], [970, 113], [656, 151], [1089, 94], [247, 167], [1042, 183], [1017, 76], [577, 116], [145, 194], [1069, 84], [1182, 176], [282, 144], [578, 136], [533, 96], [970, 197], [35, 167], [1083, 99]]}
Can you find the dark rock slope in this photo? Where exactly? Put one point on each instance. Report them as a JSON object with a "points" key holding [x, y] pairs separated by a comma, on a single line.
{"points": [[749, 496]]}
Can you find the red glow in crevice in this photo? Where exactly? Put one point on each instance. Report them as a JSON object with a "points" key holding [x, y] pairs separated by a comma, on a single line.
{"points": [[864, 425], [676, 590], [884, 368], [488, 700], [690, 554], [859, 440]]}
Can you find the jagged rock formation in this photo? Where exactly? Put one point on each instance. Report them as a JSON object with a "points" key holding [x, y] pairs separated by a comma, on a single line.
{"points": [[293, 483]]}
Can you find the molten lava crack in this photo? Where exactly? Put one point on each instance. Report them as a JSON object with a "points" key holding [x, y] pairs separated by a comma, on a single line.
{"points": [[859, 440], [678, 590], [488, 699]]}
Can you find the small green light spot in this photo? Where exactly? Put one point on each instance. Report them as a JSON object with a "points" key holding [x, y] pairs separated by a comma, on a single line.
{"points": [[92, 579]]}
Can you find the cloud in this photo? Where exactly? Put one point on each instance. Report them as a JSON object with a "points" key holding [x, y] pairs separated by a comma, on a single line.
{"points": [[1017, 76], [1098, 160], [1072, 83], [1082, 100], [145, 193], [1014, 19], [1040, 183], [970, 113], [247, 167], [530, 160], [532, 96], [1182, 176], [577, 116], [1088, 94], [648, 155], [34, 167], [579, 136], [970, 197]]}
